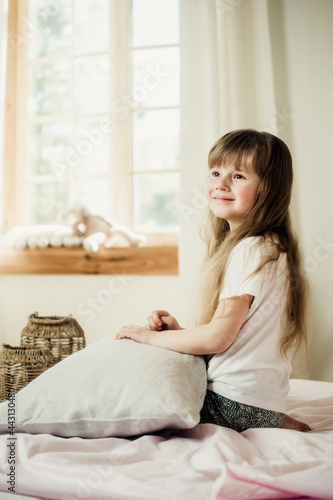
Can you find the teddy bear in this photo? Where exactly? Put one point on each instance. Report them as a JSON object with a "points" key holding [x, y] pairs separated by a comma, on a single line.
{"points": [[97, 231]]}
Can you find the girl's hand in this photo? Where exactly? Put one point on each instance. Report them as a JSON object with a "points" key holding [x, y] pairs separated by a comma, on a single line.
{"points": [[161, 320], [137, 333]]}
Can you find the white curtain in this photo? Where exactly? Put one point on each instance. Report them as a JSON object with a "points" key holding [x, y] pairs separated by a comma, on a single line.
{"points": [[264, 64], [227, 82], [3, 54], [245, 65]]}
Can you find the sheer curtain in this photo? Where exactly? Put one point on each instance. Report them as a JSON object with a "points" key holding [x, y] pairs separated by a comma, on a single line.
{"points": [[3, 54], [245, 65], [265, 64], [227, 82]]}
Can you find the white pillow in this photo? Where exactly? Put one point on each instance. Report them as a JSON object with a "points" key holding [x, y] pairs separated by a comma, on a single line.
{"points": [[112, 388]]}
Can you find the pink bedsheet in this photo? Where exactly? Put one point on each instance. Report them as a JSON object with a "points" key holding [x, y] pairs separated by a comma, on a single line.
{"points": [[205, 463]]}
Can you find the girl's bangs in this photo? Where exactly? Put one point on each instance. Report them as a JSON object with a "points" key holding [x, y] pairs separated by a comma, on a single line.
{"points": [[243, 147], [241, 159]]}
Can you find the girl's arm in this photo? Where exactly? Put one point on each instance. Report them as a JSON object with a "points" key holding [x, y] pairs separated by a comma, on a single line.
{"points": [[211, 338]]}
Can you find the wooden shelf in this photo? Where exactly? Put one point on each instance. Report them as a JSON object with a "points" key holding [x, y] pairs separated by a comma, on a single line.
{"points": [[159, 260]]}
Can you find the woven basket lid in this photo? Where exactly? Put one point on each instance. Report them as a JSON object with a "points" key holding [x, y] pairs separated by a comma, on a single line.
{"points": [[24, 354], [50, 320], [67, 326]]}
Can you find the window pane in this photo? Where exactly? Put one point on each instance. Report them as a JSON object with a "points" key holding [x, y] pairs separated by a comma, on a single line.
{"points": [[155, 199], [48, 144], [49, 28], [94, 193], [156, 77], [156, 140], [49, 88], [46, 200], [155, 22], [92, 145], [92, 84], [91, 26]]}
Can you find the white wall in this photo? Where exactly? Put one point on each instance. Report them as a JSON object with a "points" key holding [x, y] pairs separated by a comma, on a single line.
{"points": [[101, 304]]}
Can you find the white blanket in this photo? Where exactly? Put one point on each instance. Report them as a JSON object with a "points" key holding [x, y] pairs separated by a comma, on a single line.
{"points": [[204, 463]]}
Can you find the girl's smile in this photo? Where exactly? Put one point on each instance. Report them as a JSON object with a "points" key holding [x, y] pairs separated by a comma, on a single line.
{"points": [[231, 191], [222, 198]]}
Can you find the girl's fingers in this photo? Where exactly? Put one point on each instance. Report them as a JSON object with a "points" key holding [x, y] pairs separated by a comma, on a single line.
{"points": [[151, 323], [156, 317], [126, 330], [167, 320], [160, 319], [153, 326], [155, 320]]}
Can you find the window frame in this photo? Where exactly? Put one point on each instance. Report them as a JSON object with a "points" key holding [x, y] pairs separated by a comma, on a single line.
{"points": [[14, 129]]}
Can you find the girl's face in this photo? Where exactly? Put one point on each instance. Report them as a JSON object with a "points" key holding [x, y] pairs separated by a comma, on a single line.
{"points": [[231, 190]]}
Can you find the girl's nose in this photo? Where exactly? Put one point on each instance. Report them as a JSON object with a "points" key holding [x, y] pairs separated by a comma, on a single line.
{"points": [[222, 183]]}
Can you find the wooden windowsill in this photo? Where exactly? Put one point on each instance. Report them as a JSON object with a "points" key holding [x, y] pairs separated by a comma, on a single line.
{"points": [[145, 260]]}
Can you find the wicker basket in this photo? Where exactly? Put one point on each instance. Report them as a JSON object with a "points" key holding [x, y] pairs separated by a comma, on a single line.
{"points": [[19, 366], [62, 335]]}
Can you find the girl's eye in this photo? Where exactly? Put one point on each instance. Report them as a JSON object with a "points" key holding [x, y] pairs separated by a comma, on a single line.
{"points": [[239, 176], [215, 173]]}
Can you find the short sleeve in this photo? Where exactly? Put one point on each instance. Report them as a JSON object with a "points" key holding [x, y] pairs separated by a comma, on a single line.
{"points": [[241, 277]]}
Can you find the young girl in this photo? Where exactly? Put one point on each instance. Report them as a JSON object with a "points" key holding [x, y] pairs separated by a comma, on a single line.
{"points": [[252, 318]]}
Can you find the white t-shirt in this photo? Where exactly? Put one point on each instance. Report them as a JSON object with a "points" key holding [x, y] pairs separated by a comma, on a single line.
{"points": [[252, 370]]}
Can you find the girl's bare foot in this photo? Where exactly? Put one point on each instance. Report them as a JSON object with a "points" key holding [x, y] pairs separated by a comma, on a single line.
{"points": [[295, 425]]}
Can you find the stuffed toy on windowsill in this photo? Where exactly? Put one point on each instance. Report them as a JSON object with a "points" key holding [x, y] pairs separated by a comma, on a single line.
{"points": [[97, 231], [86, 229]]}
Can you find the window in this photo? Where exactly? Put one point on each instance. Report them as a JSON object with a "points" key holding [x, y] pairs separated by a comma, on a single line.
{"points": [[97, 111], [155, 115]]}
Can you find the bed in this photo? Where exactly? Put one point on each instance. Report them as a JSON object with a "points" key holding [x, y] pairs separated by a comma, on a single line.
{"points": [[205, 462]]}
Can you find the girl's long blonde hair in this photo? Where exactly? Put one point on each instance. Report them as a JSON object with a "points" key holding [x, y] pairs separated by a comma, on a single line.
{"points": [[268, 217]]}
